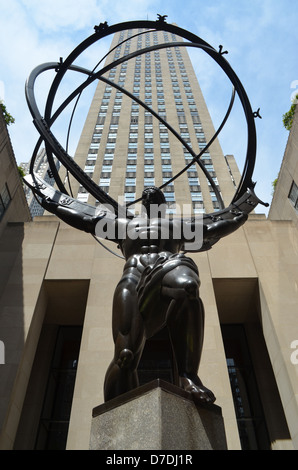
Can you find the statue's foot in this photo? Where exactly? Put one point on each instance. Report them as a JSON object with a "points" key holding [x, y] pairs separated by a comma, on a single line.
{"points": [[194, 386]]}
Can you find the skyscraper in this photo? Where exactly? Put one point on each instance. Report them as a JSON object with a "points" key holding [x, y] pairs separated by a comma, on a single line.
{"points": [[125, 148]]}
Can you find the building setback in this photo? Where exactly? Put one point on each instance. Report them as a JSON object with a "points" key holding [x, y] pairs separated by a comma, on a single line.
{"points": [[42, 169], [58, 283], [13, 205]]}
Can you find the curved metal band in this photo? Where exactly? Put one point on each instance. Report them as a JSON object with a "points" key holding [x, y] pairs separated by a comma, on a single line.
{"points": [[78, 92], [246, 180], [52, 145]]}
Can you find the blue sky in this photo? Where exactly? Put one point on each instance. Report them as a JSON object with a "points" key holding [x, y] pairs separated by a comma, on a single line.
{"points": [[260, 35]]}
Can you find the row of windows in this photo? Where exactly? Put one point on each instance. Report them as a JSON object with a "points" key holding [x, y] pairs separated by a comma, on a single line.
{"points": [[149, 179], [193, 179]]}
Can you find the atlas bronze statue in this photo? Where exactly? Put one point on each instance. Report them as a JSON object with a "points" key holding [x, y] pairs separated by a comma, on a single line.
{"points": [[159, 287]]}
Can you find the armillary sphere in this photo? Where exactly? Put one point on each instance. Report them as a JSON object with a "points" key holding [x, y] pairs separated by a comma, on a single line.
{"points": [[244, 200]]}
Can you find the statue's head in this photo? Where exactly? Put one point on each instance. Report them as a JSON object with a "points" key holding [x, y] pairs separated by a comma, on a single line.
{"points": [[153, 197]]}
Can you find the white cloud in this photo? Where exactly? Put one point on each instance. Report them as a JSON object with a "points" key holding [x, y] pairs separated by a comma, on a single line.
{"points": [[36, 31], [56, 15]]}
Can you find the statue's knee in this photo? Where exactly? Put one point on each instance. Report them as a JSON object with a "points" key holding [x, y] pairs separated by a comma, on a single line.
{"points": [[125, 358], [181, 282], [181, 289]]}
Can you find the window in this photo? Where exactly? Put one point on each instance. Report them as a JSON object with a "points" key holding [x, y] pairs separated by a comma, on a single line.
{"points": [[202, 145], [55, 416], [185, 135], [213, 196], [193, 181], [196, 196], [83, 197], [293, 195], [200, 135], [91, 157], [130, 181], [170, 197], [107, 168], [4, 200], [130, 189], [130, 167], [209, 167], [89, 167], [148, 167], [129, 197], [104, 182], [248, 407], [149, 181], [112, 135]]}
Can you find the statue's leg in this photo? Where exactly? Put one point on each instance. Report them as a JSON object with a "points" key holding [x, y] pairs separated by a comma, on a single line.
{"points": [[185, 323], [128, 334]]}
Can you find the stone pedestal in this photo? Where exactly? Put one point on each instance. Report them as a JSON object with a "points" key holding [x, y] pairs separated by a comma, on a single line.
{"points": [[157, 416]]}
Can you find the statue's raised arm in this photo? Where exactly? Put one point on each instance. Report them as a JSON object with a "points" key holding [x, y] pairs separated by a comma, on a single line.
{"points": [[75, 213], [206, 230], [201, 234], [78, 220]]}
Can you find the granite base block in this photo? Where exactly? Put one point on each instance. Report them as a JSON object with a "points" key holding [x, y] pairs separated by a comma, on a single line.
{"points": [[157, 416]]}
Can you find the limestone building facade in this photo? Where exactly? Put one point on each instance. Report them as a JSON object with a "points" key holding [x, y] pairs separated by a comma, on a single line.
{"points": [[13, 205], [57, 283]]}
